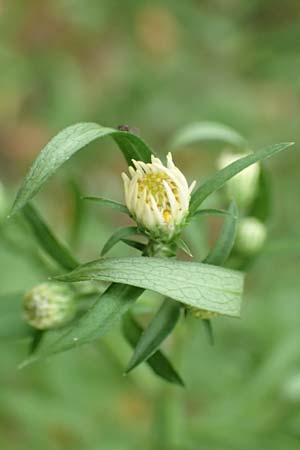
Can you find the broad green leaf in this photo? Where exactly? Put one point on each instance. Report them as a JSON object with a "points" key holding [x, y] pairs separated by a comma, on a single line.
{"points": [[156, 332], [97, 321], [64, 145], [50, 244], [117, 236], [195, 284], [157, 362], [101, 201], [207, 131], [12, 325], [211, 212], [134, 244], [225, 241], [219, 179]]}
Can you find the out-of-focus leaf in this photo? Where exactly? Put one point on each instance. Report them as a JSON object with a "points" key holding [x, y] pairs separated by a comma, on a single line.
{"points": [[195, 284], [261, 207], [64, 145], [12, 325], [219, 179], [47, 240], [184, 247], [156, 332], [209, 331], [158, 361], [98, 320], [225, 241], [211, 212], [207, 131], [101, 201], [117, 236]]}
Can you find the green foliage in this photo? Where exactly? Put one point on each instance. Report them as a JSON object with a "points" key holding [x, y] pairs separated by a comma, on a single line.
{"points": [[157, 361], [156, 332], [219, 179], [66, 144], [207, 131]]}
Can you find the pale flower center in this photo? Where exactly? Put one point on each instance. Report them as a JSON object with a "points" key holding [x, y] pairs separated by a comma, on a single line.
{"points": [[153, 184]]}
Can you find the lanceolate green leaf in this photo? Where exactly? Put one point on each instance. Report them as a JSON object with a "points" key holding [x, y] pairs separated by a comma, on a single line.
{"points": [[156, 332], [157, 362], [211, 212], [207, 131], [134, 244], [220, 178], [117, 236], [224, 243], [97, 321], [47, 240], [195, 284], [66, 144], [101, 201]]}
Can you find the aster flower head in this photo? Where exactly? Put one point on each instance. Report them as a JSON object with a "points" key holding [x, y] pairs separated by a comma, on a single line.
{"points": [[157, 197]]}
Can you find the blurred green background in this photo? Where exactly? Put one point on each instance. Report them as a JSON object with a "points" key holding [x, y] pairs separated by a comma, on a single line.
{"points": [[156, 66]]}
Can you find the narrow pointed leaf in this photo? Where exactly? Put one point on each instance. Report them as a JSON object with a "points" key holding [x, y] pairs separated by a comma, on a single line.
{"points": [[97, 321], [211, 212], [64, 145], [207, 131], [134, 244], [158, 361], [47, 240], [78, 212], [117, 236], [195, 284], [156, 332], [225, 241], [219, 179], [101, 201]]}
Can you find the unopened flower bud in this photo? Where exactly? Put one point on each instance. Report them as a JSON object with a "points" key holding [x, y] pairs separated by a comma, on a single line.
{"points": [[49, 305], [251, 235], [243, 186], [157, 197], [202, 313]]}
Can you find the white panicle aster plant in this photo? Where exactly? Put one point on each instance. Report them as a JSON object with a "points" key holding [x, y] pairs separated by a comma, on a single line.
{"points": [[161, 203]]}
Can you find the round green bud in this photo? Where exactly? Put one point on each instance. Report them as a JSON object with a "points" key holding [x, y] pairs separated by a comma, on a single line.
{"points": [[49, 305], [243, 186], [251, 236]]}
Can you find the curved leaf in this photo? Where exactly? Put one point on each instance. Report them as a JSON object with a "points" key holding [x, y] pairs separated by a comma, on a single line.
{"points": [[101, 201], [219, 179], [47, 240], [117, 236], [64, 145], [207, 131], [158, 361], [225, 241], [195, 284], [156, 332]]}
